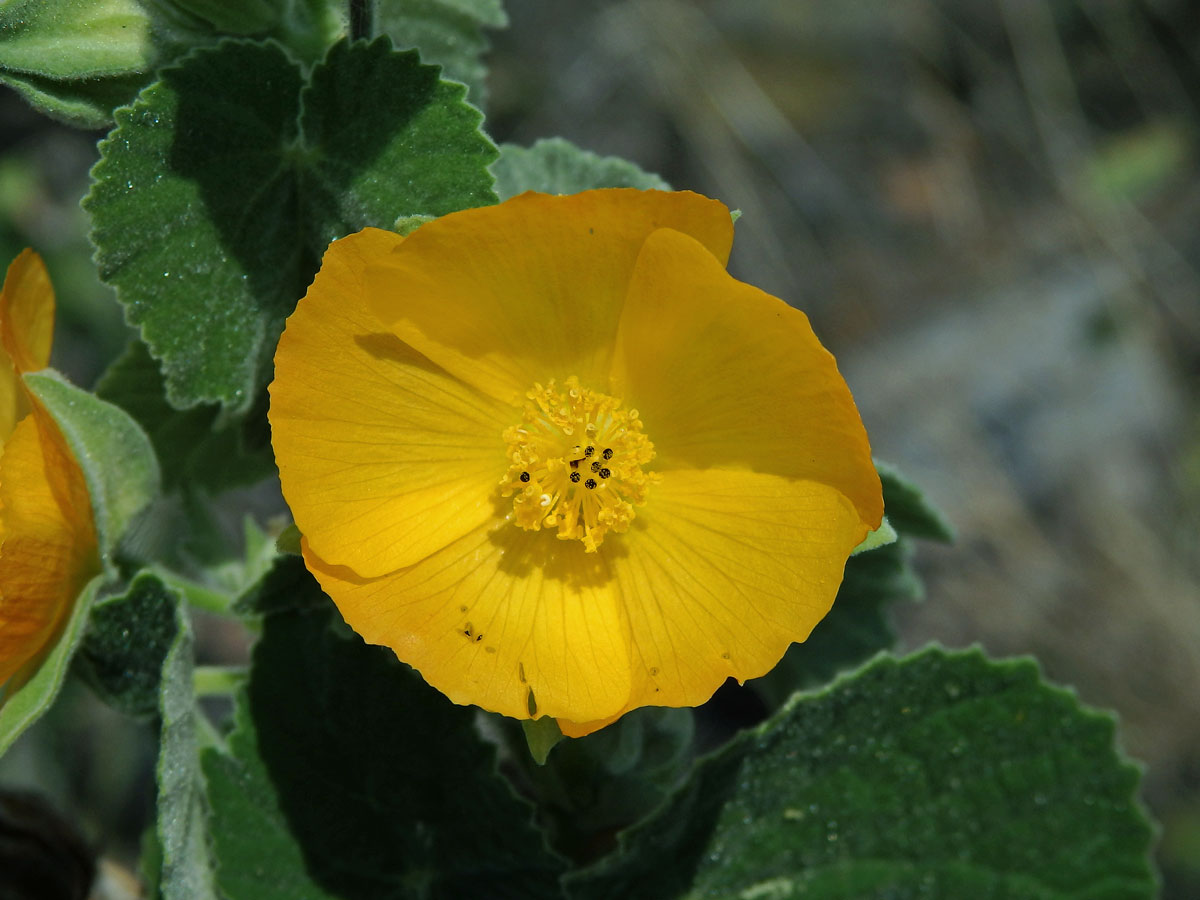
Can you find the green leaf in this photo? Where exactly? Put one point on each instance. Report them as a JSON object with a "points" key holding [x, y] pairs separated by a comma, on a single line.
{"points": [[85, 103], [149, 867], [201, 454], [289, 540], [242, 17], [882, 536], [126, 643], [349, 777], [939, 775], [556, 166], [237, 578], [406, 225], [448, 33], [138, 654], [541, 735], [307, 28], [26, 705], [76, 60], [908, 510], [590, 787], [117, 459], [182, 807], [212, 204], [216, 579], [74, 38], [1132, 164], [286, 587]]}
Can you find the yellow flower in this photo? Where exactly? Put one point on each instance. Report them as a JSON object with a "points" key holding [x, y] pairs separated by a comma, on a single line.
{"points": [[561, 462], [48, 548]]}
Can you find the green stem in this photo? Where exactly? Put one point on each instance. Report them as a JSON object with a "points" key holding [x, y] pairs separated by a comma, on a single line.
{"points": [[209, 681], [361, 25], [206, 734], [197, 595]]}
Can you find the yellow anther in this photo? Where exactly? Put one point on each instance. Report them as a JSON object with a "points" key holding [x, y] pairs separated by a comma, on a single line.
{"points": [[584, 490]]}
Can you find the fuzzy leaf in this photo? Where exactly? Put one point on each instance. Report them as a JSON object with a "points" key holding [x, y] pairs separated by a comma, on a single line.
{"points": [[126, 643], [408, 802], [186, 872], [939, 775], [85, 103], [212, 204], [117, 459], [200, 454], [74, 38], [556, 166], [285, 588], [448, 33], [882, 536], [234, 16], [76, 60], [908, 510]]}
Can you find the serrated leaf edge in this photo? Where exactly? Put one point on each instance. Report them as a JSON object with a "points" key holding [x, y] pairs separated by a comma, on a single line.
{"points": [[1026, 665]]}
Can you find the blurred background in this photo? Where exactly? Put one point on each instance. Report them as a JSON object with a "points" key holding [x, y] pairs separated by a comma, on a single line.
{"points": [[990, 209]]}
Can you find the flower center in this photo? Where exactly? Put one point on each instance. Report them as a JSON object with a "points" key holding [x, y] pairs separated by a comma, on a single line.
{"points": [[575, 463]]}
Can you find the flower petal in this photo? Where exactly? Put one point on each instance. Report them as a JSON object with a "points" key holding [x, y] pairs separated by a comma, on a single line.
{"points": [[720, 573], [726, 375], [383, 457], [14, 402], [27, 312], [48, 549], [506, 296], [26, 329], [495, 616]]}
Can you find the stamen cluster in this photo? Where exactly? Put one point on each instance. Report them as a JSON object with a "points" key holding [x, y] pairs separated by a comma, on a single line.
{"points": [[575, 463]]}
